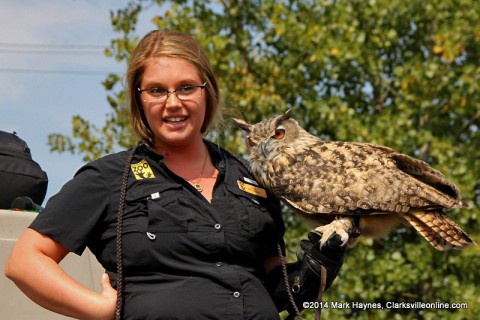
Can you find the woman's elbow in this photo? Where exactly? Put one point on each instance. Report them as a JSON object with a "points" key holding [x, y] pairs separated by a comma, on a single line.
{"points": [[14, 265], [22, 257]]}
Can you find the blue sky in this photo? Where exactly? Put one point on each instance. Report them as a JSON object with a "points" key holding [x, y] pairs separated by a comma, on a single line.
{"points": [[41, 91]]}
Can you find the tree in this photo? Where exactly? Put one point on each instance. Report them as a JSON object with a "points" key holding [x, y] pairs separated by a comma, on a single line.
{"points": [[404, 74]]}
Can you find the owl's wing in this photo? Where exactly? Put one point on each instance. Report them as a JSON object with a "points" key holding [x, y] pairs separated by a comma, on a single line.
{"points": [[356, 178], [422, 171]]}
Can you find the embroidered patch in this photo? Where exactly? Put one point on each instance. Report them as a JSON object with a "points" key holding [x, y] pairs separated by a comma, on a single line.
{"points": [[142, 170], [252, 189]]}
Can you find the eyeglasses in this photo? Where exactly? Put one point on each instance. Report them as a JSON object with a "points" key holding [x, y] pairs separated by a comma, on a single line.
{"points": [[183, 93]]}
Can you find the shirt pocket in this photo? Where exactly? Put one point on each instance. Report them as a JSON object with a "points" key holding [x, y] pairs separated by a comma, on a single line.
{"points": [[249, 211], [158, 209]]}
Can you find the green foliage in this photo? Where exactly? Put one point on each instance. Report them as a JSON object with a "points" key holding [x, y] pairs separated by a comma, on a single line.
{"points": [[404, 74]]}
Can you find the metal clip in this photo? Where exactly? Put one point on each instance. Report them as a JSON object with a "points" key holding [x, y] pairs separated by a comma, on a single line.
{"points": [[151, 236], [296, 284]]}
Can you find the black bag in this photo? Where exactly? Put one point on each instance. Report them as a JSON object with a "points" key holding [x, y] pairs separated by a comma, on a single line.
{"points": [[20, 176]]}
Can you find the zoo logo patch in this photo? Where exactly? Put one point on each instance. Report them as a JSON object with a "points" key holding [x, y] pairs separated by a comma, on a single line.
{"points": [[142, 170]]}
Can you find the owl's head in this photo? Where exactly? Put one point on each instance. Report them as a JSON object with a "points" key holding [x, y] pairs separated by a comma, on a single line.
{"points": [[266, 138]]}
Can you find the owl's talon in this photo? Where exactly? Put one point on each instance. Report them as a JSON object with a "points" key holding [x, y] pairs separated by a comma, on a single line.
{"points": [[314, 236], [335, 241], [337, 228]]}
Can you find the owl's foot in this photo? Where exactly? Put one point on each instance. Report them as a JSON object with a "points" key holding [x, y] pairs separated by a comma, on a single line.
{"points": [[338, 230]]}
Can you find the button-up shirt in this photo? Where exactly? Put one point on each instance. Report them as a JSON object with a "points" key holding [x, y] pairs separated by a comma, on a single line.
{"points": [[183, 257]]}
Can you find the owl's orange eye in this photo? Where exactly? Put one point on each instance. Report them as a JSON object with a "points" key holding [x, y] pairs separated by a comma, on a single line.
{"points": [[279, 134]]}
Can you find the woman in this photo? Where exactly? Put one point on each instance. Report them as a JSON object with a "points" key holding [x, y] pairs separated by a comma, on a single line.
{"points": [[194, 244]]}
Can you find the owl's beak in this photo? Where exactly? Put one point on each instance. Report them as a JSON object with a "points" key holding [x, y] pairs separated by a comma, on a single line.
{"points": [[263, 147]]}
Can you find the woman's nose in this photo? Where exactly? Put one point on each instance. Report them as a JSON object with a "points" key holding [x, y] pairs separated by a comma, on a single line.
{"points": [[172, 101]]}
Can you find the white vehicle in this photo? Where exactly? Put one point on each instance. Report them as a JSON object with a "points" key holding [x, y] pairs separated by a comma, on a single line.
{"points": [[14, 304]]}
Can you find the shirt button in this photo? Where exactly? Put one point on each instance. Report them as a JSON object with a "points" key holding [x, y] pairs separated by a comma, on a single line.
{"points": [[217, 226], [218, 264], [236, 294]]}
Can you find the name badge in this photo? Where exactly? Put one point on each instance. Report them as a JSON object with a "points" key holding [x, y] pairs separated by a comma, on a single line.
{"points": [[252, 189]]}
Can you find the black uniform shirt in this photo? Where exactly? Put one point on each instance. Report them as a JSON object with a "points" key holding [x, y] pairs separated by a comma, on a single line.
{"points": [[183, 257]]}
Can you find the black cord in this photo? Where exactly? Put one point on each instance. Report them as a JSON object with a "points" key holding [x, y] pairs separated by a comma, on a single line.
{"points": [[121, 207], [287, 285]]}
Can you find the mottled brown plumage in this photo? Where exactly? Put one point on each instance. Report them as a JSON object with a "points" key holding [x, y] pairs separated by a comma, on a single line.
{"points": [[328, 183]]}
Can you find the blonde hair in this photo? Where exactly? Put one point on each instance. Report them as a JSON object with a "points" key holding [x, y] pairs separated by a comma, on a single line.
{"points": [[168, 43]]}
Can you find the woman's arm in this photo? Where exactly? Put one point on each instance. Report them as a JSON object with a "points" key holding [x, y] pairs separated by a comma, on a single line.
{"points": [[33, 266]]}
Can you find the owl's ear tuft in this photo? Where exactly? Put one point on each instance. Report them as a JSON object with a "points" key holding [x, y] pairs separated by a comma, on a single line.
{"points": [[287, 114], [283, 117], [242, 125]]}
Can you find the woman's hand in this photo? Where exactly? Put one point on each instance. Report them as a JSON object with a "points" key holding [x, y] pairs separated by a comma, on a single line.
{"points": [[108, 301]]}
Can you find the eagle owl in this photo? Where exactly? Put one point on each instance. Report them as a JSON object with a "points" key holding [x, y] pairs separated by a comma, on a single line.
{"points": [[345, 186]]}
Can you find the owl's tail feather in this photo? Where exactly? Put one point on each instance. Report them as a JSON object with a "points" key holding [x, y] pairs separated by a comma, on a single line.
{"points": [[439, 230]]}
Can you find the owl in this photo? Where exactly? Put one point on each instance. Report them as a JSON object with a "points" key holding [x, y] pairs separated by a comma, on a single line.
{"points": [[350, 188]]}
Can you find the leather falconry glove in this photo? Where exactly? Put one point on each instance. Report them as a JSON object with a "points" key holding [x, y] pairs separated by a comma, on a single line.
{"points": [[305, 275]]}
